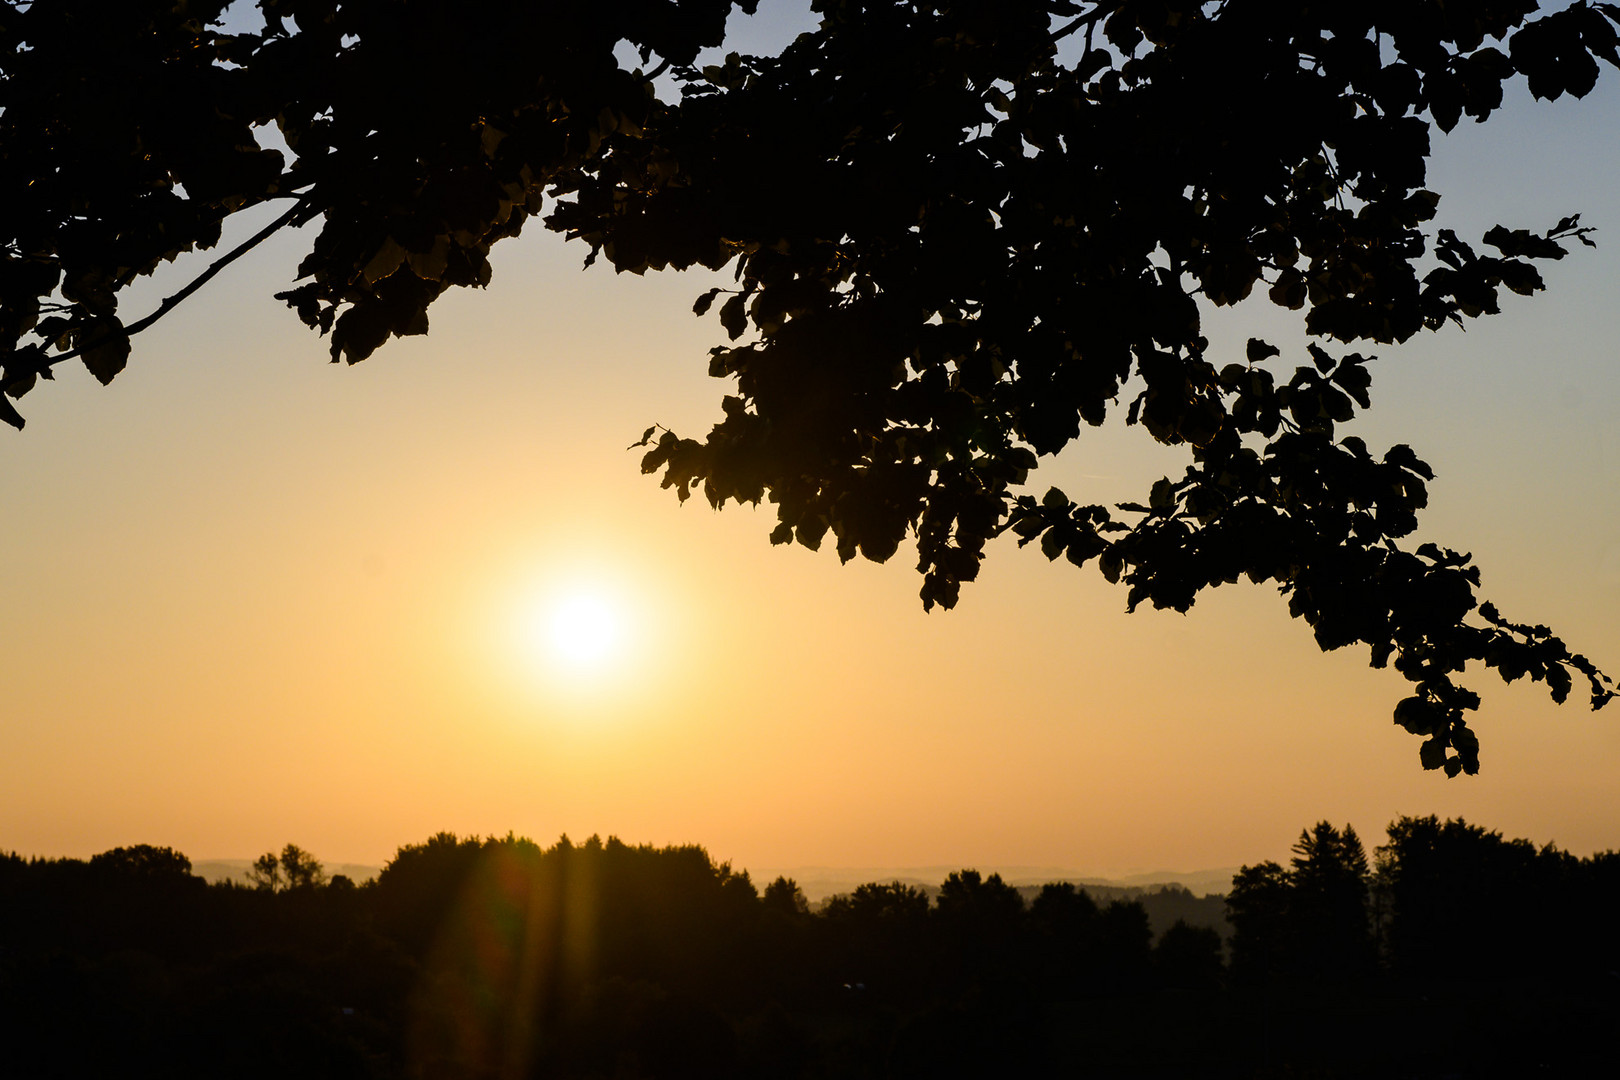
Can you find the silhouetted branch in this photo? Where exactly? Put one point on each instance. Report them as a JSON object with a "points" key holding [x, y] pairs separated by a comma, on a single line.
{"points": [[178, 298], [1089, 19]]}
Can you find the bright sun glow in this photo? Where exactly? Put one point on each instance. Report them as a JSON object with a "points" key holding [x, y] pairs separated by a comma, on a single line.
{"points": [[584, 630], [573, 638]]}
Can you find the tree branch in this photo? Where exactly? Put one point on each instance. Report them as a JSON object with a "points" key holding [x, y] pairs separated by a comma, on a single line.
{"points": [[178, 298], [1090, 18]]}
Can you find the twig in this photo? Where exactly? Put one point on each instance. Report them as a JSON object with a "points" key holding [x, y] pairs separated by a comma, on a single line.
{"points": [[178, 298], [1087, 20]]}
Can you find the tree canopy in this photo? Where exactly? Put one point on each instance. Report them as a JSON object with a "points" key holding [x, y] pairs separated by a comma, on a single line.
{"points": [[959, 231], [1459, 953]]}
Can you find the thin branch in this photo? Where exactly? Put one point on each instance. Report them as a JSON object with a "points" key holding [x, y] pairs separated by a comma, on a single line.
{"points": [[289, 192], [178, 298], [1087, 20]]}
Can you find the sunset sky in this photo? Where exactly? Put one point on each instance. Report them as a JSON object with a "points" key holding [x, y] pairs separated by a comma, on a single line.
{"points": [[252, 597]]}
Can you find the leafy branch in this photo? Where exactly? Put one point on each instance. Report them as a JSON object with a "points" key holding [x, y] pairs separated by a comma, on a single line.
{"points": [[117, 336]]}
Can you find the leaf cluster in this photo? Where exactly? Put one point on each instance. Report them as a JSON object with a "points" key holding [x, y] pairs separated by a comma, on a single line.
{"points": [[954, 248], [960, 231]]}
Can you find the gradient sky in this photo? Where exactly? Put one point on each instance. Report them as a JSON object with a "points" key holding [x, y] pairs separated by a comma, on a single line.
{"points": [[252, 597]]}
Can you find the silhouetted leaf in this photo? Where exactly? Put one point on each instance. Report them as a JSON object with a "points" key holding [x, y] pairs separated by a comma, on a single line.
{"points": [[9, 413], [106, 348], [734, 317], [701, 307]]}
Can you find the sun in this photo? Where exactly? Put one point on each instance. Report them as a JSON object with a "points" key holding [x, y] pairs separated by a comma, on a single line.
{"points": [[576, 634], [584, 630], [577, 638]]}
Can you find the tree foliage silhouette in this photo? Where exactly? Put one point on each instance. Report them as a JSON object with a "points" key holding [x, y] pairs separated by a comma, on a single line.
{"points": [[1465, 902], [1330, 883], [293, 868], [959, 231], [481, 957], [144, 862], [785, 897], [1311, 920], [265, 873]]}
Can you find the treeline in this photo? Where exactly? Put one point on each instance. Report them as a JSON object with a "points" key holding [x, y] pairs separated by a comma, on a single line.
{"points": [[1442, 901], [1451, 951]]}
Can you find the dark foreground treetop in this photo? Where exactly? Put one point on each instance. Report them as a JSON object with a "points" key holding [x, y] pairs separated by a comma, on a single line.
{"points": [[1455, 953]]}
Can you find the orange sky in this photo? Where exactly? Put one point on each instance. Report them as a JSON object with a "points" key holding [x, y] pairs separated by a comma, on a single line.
{"points": [[253, 598]]}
